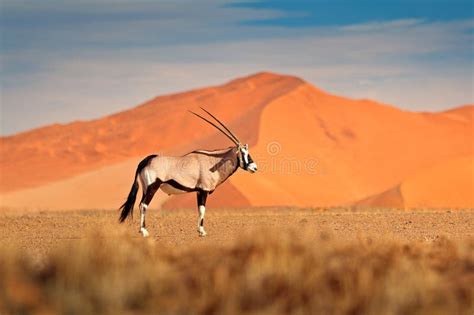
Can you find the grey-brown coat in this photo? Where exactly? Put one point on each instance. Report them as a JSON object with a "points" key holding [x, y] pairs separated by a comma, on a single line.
{"points": [[199, 171]]}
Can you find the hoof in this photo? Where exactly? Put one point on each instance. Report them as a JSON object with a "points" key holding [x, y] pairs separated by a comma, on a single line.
{"points": [[202, 233], [144, 232]]}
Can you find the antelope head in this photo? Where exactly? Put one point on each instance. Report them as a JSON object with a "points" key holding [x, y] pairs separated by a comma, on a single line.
{"points": [[245, 160]]}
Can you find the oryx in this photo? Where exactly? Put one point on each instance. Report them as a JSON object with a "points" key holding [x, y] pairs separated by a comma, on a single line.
{"points": [[199, 171]]}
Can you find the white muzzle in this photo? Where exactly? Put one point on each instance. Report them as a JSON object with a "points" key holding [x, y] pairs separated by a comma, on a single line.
{"points": [[252, 167]]}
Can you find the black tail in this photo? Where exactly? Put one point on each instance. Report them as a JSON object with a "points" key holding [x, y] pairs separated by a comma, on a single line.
{"points": [[127, 207]]}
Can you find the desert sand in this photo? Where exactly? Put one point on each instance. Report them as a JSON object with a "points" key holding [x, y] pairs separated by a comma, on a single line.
{"points": [[254, 260], [41, 232]]}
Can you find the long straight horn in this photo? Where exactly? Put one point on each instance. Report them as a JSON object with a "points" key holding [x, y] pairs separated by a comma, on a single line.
{"points": [[217, 127], [236, 140]]}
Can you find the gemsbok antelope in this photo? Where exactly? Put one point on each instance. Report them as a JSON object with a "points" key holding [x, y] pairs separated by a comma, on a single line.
{"points": [[199, 171]]}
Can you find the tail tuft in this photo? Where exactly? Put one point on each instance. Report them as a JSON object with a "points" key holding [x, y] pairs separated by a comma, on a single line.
{"points": [[127, 207]]}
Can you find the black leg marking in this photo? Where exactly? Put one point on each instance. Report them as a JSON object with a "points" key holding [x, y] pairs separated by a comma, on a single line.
{"points": [[148, 196], [202, 198], [150, 192], [201, 201]]}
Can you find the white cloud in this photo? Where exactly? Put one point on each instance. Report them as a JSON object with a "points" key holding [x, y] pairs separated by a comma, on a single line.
{"points": [[377, 26], [398, 62]]}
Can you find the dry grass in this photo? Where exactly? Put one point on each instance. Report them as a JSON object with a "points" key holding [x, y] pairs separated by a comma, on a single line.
{"points": [[264, 272]]}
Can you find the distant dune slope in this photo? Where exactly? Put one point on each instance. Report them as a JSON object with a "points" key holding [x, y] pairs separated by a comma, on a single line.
{"points": [[313, 148], [449, 184], [446, 185], [346, 150], [163, 124]]}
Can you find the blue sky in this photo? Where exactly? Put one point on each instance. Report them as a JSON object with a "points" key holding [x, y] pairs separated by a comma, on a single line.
{"points": [[300, 13], [64, 60]]}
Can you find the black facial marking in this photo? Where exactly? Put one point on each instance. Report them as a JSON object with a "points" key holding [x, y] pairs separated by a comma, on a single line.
{"points": [[242, 159], [250, 159]]}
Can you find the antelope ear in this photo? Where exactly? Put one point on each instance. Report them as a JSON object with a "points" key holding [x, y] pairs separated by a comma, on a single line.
{"points": [[246, 146]]}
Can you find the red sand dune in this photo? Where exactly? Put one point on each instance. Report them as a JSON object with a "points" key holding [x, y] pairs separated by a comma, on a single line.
{"points": [[447, 185], [331, 150], [450, 184], [359, 147]]}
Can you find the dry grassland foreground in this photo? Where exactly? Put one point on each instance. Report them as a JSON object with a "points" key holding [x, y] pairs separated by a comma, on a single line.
{"points": [[254, 261]]}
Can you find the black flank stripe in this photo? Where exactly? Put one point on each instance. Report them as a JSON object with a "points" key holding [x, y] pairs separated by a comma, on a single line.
{"points": [[177, 185]]}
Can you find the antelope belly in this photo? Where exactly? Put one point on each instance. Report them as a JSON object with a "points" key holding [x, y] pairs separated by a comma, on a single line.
{"points": [[170, 190]]}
